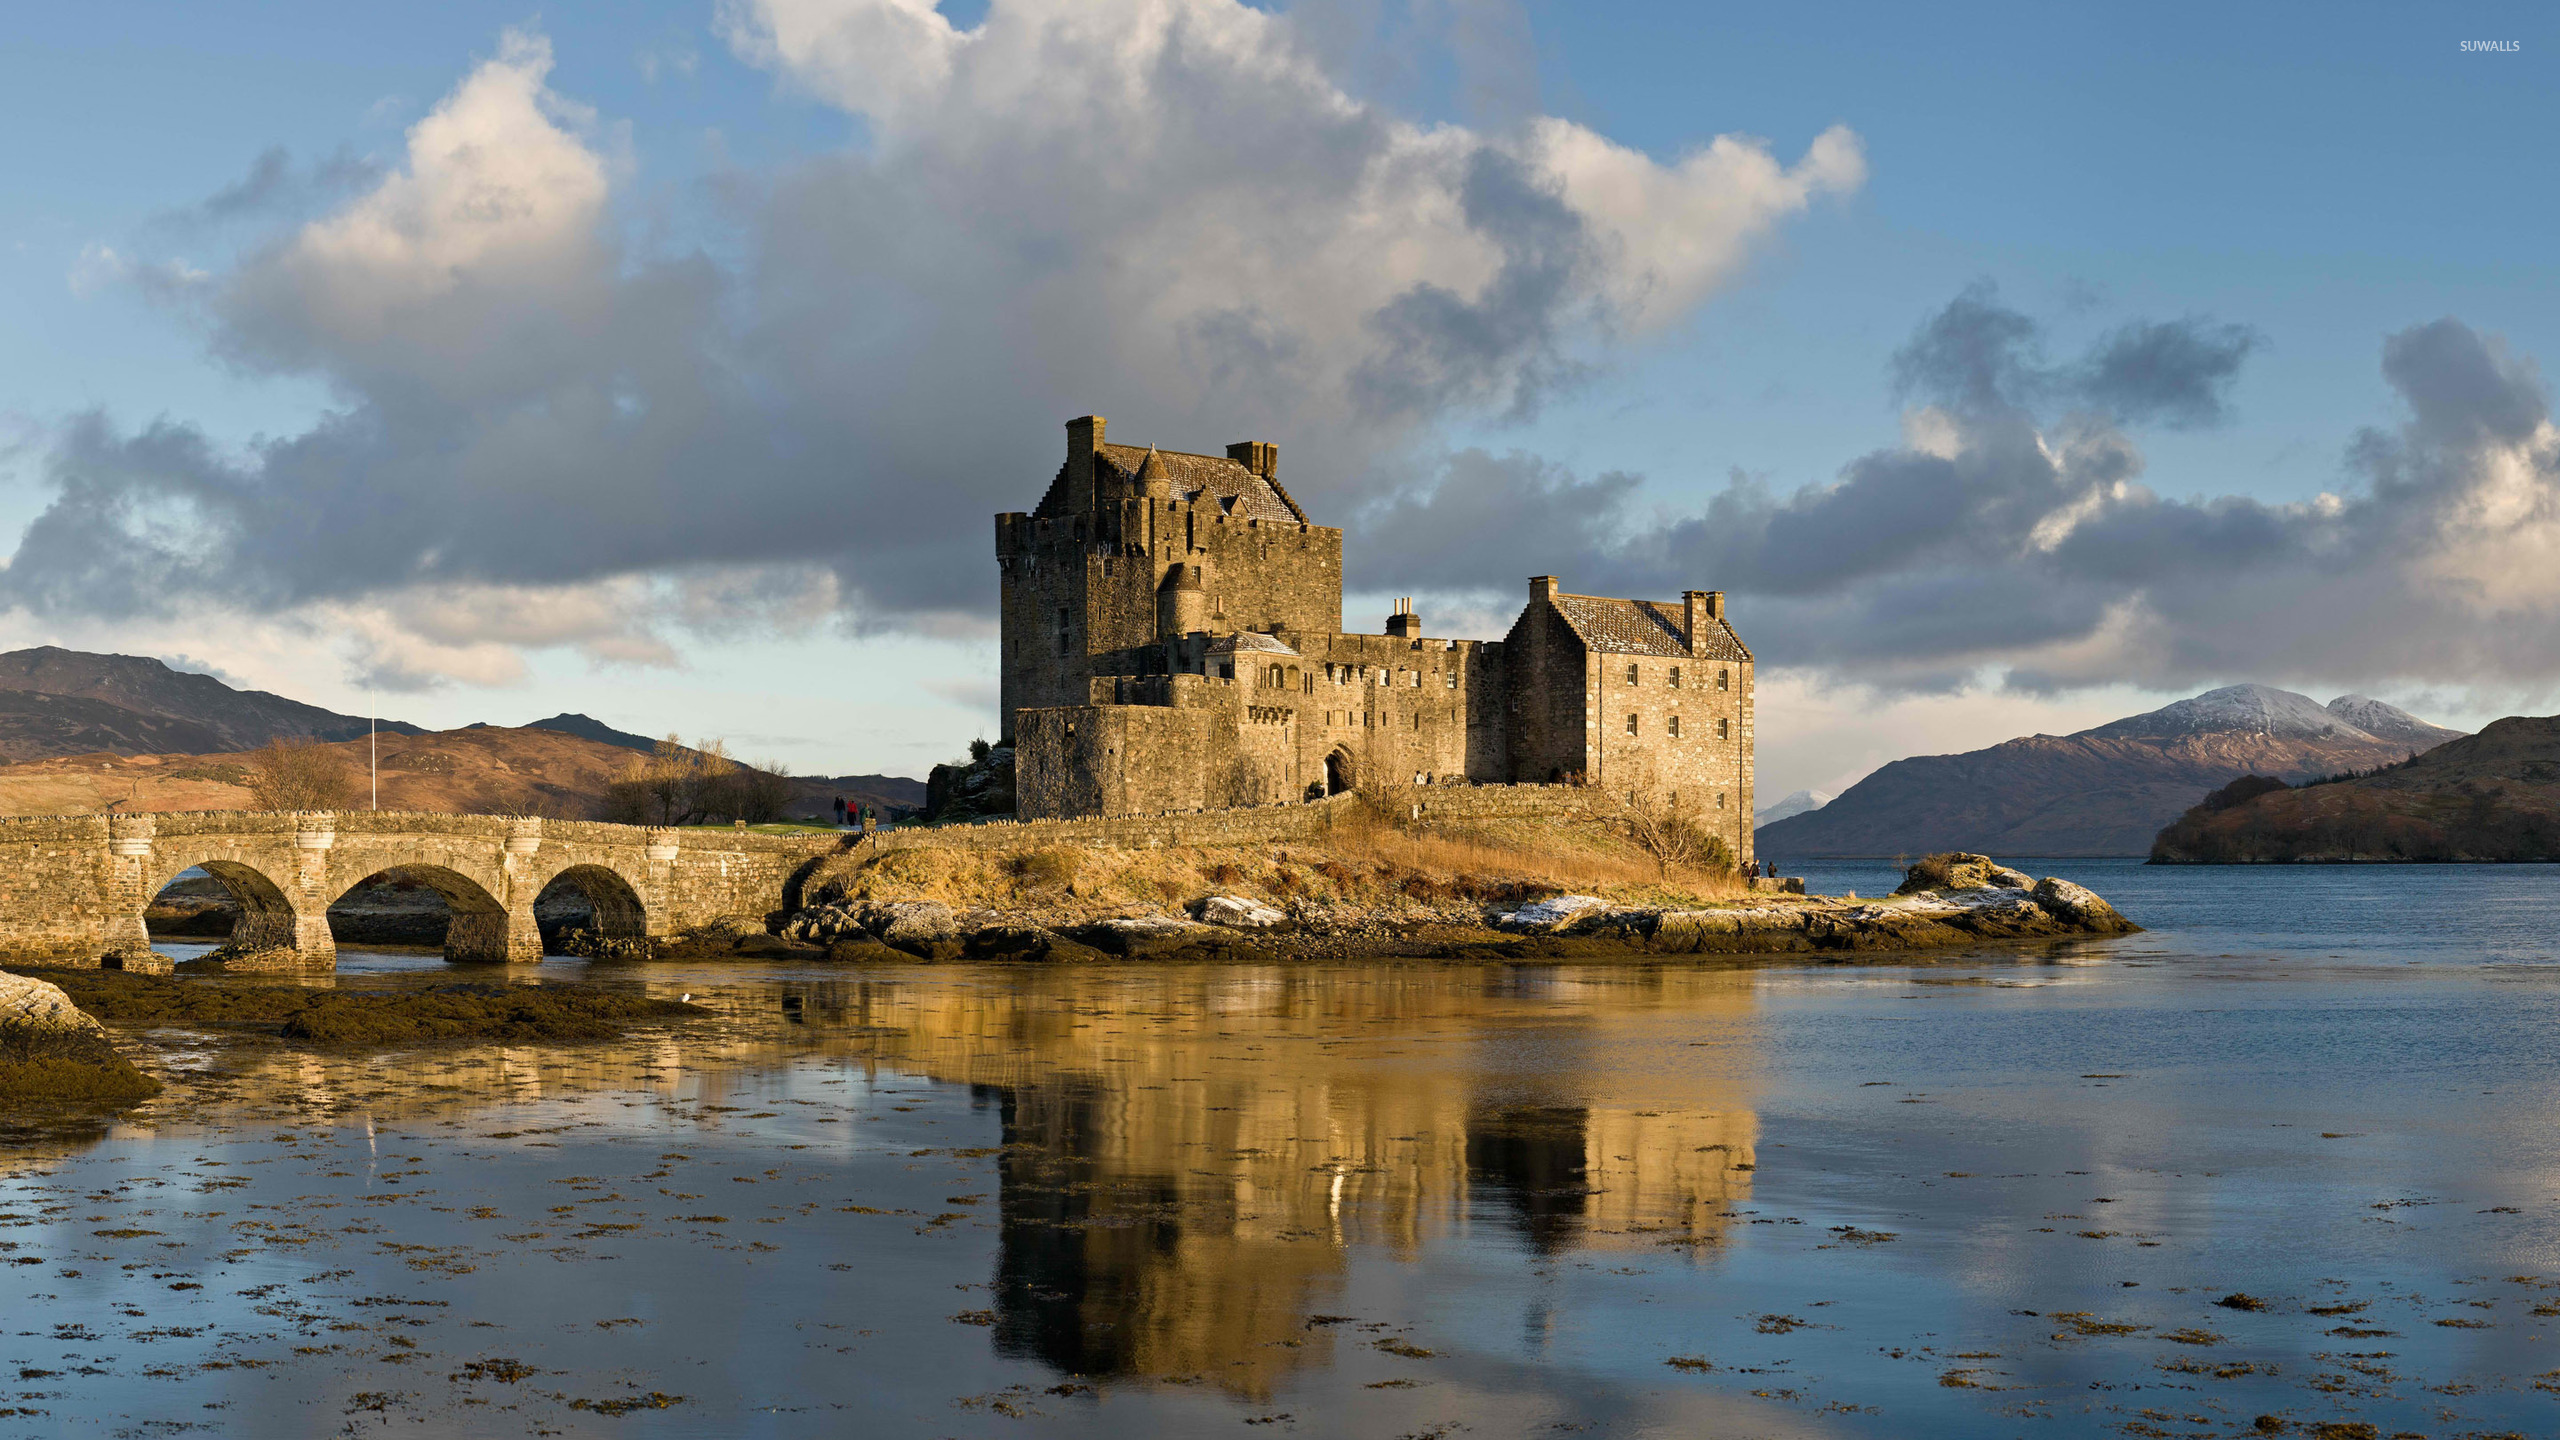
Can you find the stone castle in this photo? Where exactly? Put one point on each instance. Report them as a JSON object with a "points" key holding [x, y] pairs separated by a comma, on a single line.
{"points": [[1173, 640]]}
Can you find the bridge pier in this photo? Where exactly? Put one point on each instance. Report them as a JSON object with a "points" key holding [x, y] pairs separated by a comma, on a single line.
{"points": [[494, 937]]}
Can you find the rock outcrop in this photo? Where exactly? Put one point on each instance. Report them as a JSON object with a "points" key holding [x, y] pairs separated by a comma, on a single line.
{"points": [[50, 1052]]}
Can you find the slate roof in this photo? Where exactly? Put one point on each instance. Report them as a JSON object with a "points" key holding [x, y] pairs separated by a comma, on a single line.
{"points": [[1249, 642], [1645, 627], [1241, 493]]}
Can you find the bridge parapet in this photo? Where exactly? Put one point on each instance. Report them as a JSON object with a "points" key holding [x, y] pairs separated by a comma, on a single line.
{"points": [[73, 888]]}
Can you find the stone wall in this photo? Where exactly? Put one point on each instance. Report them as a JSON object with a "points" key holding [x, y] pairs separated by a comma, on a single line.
{"points": [[1259, 824], [73, 888]]}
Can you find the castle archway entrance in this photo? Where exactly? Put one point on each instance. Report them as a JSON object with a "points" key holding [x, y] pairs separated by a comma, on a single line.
{"points": [[1337, 772]]}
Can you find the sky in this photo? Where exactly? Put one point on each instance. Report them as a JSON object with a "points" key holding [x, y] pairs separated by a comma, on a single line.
{"points": [[2012, 369]]}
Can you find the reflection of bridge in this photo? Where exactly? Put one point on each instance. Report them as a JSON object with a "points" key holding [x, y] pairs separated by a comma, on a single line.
{"points": [[73, 888]]}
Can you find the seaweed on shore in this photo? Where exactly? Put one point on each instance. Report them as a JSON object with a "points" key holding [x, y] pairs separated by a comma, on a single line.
{"points": [[71, 1066], [340, 1018]]}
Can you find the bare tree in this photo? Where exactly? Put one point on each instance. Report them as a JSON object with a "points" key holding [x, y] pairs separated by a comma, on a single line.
{"points": [[680, 784], [764, 788], [1675, 840], [299, 775]]}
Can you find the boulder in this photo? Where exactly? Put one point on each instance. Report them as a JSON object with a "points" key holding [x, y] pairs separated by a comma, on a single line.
{"points": [[1956, 870], [2079, 905], [40, 1005], [50, 1052], [1027, 942], [1553, 913], [823, 924], [1238, 913], [861, 949], [1148, 937], [779, 947]]}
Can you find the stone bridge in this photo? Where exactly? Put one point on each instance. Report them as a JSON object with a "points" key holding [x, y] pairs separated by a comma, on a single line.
{"points": [[73, 888]]}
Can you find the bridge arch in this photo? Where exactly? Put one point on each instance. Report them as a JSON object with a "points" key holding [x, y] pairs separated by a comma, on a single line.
{"points": [[619, 910], [267, 916], [478, 929]]}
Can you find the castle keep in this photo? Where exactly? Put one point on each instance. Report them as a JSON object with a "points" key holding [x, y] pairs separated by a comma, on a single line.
{"points": [[1173, 640]]}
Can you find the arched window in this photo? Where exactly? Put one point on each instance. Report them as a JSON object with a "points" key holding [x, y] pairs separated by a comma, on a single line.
{"points": [[1275, 677]]}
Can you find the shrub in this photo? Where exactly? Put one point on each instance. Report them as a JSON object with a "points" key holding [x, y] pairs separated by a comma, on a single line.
{"points": [[299, 775], [1043, 869]]}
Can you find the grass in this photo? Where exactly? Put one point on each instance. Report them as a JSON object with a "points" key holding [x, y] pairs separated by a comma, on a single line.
{"points": [[1363, 861]]}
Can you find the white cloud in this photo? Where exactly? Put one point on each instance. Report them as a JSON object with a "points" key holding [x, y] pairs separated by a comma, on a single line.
{"points": [[1163, 208]]}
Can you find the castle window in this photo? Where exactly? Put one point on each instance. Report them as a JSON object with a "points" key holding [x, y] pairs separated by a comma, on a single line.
{"points": [[1724, 729], [1631, 674], [1106, 565], [1719, 799], [1453, 679], [1275, 677], [1675, 677], [1720, 678], [1415, 677], [1226, 672], [1675, 727], [1631, 724]]}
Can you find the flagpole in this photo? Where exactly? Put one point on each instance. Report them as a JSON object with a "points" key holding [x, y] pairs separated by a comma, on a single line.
{"points": [[373, 760]]}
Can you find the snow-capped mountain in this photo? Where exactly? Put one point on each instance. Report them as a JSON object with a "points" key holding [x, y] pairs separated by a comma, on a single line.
{"points": [[2104, 791], [1798, 802]]}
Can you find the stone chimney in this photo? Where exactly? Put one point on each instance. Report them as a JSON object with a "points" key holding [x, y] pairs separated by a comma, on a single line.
{"points": [[1084, 436], [1404, 624], [1542, 587], [1259, 456], [1702, 608]]}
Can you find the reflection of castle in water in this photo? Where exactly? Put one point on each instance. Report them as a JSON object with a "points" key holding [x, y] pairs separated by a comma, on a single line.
{"points": [[1187, 1153]]}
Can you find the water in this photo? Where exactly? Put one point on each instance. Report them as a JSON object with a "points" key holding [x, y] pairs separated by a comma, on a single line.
{"points": [[1984, 1194]]}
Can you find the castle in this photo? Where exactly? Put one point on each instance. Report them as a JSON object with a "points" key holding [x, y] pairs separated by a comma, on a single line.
{"points": [[1173, 640]]}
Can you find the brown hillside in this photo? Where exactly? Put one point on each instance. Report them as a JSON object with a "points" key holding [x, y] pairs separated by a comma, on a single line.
{"points": [[460, 772], [2490, 796]]}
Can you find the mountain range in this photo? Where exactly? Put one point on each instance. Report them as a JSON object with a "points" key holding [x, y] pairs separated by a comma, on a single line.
{"points": [[2106, 790], [75, 726]]}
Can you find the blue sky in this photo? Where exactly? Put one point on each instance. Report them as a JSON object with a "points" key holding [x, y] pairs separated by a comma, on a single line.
{"points": [[2324, 177]]}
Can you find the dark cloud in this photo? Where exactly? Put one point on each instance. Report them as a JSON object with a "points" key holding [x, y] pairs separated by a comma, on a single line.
{"points": [[2033, 547], [1979, 357], [2176, 373]]}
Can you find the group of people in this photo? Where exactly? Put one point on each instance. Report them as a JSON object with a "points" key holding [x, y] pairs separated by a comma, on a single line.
{"points": [[1761, 869], [867, 815]]}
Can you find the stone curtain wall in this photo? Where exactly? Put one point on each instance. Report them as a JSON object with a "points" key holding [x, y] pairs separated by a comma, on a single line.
{"points": [[1259, 824], [73, 888]]}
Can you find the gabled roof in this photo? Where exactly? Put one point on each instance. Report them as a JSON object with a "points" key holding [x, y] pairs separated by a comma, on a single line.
{"points": [[1645, 627]]}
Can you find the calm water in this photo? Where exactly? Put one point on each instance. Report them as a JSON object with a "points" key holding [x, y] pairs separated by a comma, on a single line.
{"points": [[1988, 1194]]}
